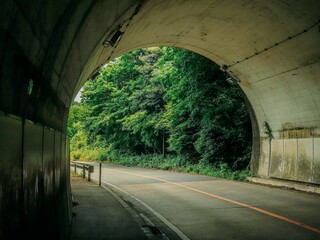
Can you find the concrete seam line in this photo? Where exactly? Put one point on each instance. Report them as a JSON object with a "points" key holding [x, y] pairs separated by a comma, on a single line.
{"points": [[290, 37], [158, 215], [314, 229]]}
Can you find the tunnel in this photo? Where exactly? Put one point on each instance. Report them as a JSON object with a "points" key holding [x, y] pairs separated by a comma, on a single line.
{"points": [[49, 49]]}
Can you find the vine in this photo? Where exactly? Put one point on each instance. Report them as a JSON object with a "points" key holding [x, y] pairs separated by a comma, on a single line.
{"points": [[267, 130]]}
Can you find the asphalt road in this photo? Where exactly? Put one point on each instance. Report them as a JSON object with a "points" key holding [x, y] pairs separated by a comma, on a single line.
{"points": [[191, 206]]}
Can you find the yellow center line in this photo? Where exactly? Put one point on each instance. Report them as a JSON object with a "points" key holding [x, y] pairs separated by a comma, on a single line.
{"points": [[227, 200]]}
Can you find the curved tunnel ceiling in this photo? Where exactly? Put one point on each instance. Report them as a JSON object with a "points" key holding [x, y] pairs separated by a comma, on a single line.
{"points": [[272, 47]]}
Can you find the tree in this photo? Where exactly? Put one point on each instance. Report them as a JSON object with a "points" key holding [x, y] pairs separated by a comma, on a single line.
{"points": [[153, 96]]}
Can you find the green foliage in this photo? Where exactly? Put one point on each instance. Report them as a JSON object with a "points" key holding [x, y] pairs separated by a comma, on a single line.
{"points": [[156, 99], [76, 117], [267, 130], [124, 106], [180, 164]]}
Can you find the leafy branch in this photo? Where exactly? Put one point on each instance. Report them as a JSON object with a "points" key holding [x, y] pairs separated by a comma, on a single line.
{"points": [[267, 130]]}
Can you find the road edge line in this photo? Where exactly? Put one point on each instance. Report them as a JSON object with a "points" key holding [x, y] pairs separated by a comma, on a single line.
{"points": [[154, 212]]}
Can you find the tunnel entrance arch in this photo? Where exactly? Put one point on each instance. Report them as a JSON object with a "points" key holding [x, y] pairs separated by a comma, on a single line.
{"points": [[273, 95], [48, 50]]}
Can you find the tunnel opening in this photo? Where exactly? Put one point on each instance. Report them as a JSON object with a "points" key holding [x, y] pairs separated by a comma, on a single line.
{"points": [[164, 107]]}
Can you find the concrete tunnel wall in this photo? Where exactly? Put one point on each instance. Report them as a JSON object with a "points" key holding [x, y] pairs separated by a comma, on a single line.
{"points": [[49, 49], [35, 188]]}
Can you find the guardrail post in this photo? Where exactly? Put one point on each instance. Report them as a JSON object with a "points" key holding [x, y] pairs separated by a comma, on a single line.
{"points": [[100, 174], [85, 167]]}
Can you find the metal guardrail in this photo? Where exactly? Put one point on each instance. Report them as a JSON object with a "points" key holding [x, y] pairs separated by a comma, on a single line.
{"points": [[84, 167]]}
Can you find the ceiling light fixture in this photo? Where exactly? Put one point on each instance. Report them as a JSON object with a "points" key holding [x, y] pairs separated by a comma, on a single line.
{"points": [[113, 38]]}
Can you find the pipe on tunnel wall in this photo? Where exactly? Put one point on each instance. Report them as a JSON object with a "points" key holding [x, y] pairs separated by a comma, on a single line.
{"points": [[34, 181]]}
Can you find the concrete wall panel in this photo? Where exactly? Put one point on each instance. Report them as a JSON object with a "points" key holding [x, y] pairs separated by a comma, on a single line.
{"points": [[30, 166], [66, 152], [61, 173], [48, 161], [63, 199], [290, 149], [305, 158], [32, 178], [316, 160], [11, 194], [294, 159], [57, 161], [49, 182], [264, 158], [63, 157], [276, 168]]}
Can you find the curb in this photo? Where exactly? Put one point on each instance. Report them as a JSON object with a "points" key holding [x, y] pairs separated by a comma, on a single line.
{"points": [[305, 187]]}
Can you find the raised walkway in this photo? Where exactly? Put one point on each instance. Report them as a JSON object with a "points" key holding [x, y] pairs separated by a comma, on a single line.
{"points": [[100, 215]]}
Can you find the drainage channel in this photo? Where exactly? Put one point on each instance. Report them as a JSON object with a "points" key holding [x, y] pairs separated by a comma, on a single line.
{"points": [[152, 231], [147, 226]]}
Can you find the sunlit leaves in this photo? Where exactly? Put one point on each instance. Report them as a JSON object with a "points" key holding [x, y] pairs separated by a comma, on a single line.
{"points": [[155, 95]]}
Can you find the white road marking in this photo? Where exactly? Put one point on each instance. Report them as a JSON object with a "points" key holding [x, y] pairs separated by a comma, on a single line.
{"points": [[158, 215]]}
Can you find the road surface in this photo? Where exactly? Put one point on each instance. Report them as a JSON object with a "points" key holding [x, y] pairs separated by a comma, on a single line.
{"points": [[188, 206]]}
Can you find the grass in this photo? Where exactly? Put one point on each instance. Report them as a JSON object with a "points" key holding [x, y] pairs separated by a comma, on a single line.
{"points": [[179, 164], [89, 155], [169, 162]]}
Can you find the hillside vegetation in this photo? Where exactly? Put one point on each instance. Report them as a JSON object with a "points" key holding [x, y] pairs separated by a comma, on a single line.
{"points": [[165, 108]]}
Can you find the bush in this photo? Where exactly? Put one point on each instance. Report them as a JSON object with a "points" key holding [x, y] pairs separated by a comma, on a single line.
{"points": [[169, 162]]}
